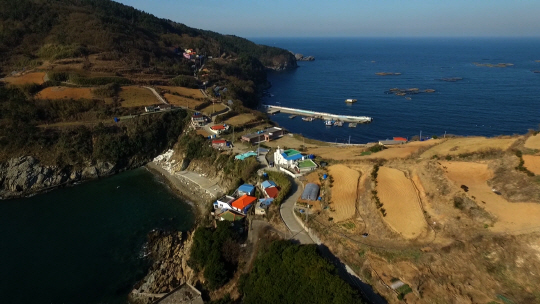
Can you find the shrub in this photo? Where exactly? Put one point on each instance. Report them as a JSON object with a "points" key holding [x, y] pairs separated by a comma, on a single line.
{"points": [[185, 81], [283, 183], [376, 148]]}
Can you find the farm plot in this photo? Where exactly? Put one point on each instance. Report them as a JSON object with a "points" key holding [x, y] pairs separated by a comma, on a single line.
{"points": [[344, 191], [218, 107], [457, 146], [181, 101], [399, 198], [511, 217], [36, 77], [186, 92], [65, 93], [241, 119], [533, 142], [532, 163], [133, 96]]}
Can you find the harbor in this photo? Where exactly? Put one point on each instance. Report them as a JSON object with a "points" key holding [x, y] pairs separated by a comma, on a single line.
{"points": [[325, 116]]}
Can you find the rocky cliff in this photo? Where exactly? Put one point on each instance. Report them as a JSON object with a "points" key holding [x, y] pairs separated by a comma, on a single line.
{"points": [[283, 62], [25, 175], [170, 253]]}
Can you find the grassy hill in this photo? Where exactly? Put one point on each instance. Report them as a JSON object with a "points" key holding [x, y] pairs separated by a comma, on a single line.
{"points": [[33, 31]]}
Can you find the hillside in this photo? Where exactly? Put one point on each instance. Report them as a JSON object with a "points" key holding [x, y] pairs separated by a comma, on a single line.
{"points": [[35, 31]]}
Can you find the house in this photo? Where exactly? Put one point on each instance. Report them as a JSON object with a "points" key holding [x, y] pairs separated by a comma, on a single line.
{"points": [[267, 184], [231, 216], [264, 135], [400, 139], [287, 157], [243, 203], [389, 142], [151, 109], [198, 119], [270, 189], [262, 205], [224, 202], [218, 129], [246, 189], [220, 144]]}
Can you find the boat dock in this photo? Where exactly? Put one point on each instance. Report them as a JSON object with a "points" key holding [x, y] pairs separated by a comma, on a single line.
{"points": [[326, 116]]}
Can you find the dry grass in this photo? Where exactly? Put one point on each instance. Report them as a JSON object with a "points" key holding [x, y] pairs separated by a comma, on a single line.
{"points": [[182, 101], [289, 142], [240, 119], [133, 96], [218, 107], [457, 146], [533, 142], [36, 77], [401, 202], [203, 132], [344, 191], [532, 163], [187, 92], [65, 93], [511, 217]]}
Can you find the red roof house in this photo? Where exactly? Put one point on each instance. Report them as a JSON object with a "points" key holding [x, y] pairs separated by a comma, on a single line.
{"points": [[272, 192], [243, 203], [400, 138]]}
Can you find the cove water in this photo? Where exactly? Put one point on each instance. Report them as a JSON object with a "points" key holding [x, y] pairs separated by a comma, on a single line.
{"points": [[487, 101], [84, 244]]}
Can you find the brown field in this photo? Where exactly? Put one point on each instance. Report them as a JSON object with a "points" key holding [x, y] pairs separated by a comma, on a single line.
{"points": [[182, 101], [344, 191], [399, 198], [213, 108], [511, 217], [203, 132], [455, 146], [313, 177], [134, 96], [240, 119], [533, 142], [187, 92], [532, 162], [27, 78], [65, 93], [291, 142]]}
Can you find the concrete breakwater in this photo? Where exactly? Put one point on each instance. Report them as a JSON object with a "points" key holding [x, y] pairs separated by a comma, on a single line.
{"points": [[322, 115]]}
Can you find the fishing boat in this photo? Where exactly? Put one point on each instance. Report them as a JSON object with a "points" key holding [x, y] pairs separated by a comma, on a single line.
{"points": [[350, 100], [329, 123], [309, 118], [338, 123], [352, 125]]}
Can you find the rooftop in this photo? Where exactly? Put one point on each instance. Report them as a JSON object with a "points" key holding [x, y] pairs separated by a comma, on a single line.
{"points": [[244, 201], [308, 163], [226, 199], [290, 152]]}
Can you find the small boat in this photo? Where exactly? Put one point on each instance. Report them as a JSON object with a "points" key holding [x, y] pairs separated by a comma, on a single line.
{"points": [[408, 98], [292, 116], [338, 123], [350, 100], [352, 125], [329, 123], [309, 118]]}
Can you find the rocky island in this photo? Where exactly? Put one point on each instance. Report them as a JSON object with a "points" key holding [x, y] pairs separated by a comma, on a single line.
{"points": [[300, 57]]}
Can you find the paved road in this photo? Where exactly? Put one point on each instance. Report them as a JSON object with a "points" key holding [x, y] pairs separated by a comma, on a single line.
{"points": [[157, 95], [204, 182], [296, 231]]}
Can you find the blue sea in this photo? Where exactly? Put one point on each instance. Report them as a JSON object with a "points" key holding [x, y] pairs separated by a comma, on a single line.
{"points": [[488, 101]]}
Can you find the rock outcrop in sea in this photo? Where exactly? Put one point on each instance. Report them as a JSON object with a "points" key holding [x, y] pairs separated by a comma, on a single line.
{"points": [[300, 57]]}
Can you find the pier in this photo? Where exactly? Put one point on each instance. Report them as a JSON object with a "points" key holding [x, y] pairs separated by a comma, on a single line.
{"points": [[326, 116]]}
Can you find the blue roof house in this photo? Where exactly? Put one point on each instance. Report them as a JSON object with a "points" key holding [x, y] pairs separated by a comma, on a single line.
{"points": [[246, 189], [268, 184], [287, 157]]}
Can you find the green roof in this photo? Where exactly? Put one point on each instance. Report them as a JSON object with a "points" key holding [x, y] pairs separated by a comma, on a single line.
{"points": [[290, 152], [308, 163]]}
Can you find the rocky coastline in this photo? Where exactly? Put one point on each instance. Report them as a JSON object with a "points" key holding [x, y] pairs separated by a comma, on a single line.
{"points": [[300, 57]]}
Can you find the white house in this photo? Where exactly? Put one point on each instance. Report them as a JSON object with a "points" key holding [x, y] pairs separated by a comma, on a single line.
{"points": [[224, 202], [287, 157]]}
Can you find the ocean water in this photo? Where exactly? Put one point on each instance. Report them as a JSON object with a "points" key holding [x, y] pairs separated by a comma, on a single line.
{"points": [[488, 101], [84, 244]]}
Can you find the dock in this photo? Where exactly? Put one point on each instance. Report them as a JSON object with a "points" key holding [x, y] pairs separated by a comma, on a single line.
{"points": [[325, 116]]}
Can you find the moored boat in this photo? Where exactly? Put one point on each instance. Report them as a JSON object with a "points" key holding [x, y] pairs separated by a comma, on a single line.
{"points": [[329, 123], [309, 118], [338, 123], [350, 100]]}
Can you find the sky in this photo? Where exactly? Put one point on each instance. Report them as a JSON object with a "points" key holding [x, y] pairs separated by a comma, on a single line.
{"points": [[353, 18]]}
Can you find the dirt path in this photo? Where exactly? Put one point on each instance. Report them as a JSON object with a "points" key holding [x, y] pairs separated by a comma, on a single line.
{"points": [[157, 95], [401, 202], [514, 218]]}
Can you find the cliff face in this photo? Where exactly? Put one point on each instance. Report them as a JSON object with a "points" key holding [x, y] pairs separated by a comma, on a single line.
{"points": [[170, 254], [25, 175], [282, 62]]}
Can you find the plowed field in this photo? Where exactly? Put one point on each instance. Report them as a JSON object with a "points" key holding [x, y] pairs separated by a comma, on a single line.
{"points": [[344, 191]]}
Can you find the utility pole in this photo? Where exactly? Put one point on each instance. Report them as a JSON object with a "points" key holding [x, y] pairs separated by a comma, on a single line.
{"points": [[349, 139], [444, 134], [420, 135]]}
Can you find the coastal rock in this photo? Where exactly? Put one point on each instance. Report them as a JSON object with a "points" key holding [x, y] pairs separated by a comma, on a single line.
{"points": [[170, 252], [300, 57], [25, 175], [282, 62]]}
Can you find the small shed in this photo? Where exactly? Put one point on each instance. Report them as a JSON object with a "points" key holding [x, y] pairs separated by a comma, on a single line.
{"points": [[246, 189], [311, 192], [265, 202]]}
